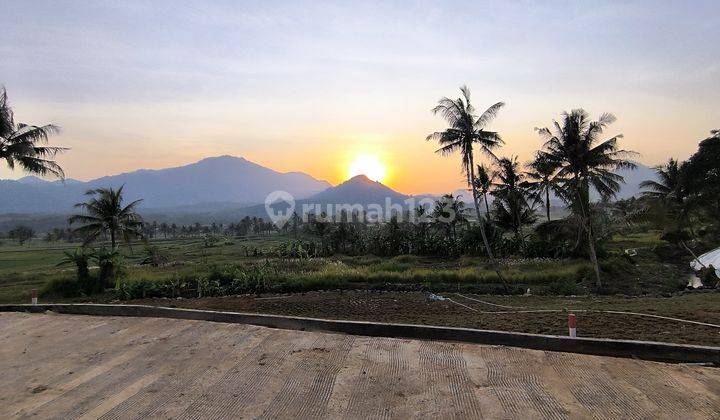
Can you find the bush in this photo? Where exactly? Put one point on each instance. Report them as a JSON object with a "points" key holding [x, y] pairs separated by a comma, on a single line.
{"points": [[61, 287], [563, 287]]}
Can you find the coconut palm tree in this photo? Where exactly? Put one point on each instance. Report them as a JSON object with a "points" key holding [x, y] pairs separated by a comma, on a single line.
{"points": [[449, 211], [22, 144], [79, 257], [467, 130], [107, 215], [669, 186], [584, 160], [542, 179], [483, 184], [511, 207]]}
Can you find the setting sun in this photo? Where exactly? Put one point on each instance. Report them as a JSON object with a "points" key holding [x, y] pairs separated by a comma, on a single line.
{"points": [[368, 165]]}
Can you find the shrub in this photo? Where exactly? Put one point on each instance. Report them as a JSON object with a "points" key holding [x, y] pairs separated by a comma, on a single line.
{"points": [[563, 287], [61, 287]]}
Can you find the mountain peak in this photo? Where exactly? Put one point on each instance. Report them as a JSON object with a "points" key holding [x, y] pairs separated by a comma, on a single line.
{"points": [[31, 179], [358, 189], [360, 179], [222, 158]]}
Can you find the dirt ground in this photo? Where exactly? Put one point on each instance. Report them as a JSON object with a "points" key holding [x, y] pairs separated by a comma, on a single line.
{"points": [[64, 366], [416, 308]]}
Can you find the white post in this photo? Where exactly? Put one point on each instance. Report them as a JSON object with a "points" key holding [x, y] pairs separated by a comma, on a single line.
{"points": [[33, 296], [572, 325]]}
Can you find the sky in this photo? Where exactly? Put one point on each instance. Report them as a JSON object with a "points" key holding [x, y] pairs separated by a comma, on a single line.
{"points": [[309, 86]]}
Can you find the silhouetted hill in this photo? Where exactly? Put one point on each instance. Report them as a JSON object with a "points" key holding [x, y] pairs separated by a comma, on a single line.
{"points": [[223, 179], [40, 203], [357, 190]]}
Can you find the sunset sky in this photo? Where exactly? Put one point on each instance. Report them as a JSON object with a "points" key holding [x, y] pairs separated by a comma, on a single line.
{"points": [[309, 86]]}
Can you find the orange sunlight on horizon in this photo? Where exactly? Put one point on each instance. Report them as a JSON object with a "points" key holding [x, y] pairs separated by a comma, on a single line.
{"points": [[368, 165]]}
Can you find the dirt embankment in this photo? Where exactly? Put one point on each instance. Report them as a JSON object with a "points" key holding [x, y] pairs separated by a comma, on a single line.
{"points": [[416, 308]]}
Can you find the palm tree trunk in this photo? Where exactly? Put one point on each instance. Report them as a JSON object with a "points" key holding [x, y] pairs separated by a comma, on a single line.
{"points": [[547, 202], [591, 242], [496, 266], [487, 207], [112, 239]]}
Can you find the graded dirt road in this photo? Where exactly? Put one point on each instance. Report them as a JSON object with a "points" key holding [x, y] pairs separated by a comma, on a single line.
{"points": [[117, 368]]}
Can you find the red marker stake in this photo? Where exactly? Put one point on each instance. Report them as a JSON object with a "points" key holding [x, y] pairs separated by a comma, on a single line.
{"points": [[572, 325], [33, 296]]}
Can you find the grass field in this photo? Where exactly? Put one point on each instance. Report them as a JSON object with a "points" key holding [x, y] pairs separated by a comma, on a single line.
{"points": [[389, 289], [240, 265]]}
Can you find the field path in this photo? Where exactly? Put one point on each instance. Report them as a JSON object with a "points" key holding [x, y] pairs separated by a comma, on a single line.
{"points": [[65, 366]]}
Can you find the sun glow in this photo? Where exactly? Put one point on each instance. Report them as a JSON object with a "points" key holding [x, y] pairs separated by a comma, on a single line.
{"points": [[368, 165]]}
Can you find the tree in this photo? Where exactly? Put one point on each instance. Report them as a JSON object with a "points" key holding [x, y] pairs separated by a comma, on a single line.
{"points": [[109, 262], [585, 161], [669, 186], [483, 184], [79, 257], [23, 144], [511, 209], [449, 211], [701, 176], [21, 233], [465, 132], [154, 256], [107, 215], [542, 180]]}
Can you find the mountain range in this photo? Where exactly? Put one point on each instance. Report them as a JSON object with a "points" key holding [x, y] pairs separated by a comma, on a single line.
{"points": [[217, 189], [223, 181]]}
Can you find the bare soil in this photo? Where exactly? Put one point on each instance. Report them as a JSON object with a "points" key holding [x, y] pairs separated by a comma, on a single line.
{"points": [[72, 366], [417, 308]]}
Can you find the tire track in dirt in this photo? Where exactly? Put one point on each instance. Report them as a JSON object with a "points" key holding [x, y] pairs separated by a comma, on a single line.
{"points": [[306, 391], [517, 386], [237, 387], [170, 396], [183, 374], [26, 360], [85, 397], [18, 326], [597, 392], [76, 361], [87, 372], [672, 398], [382, 381], [41, 354], [445, 372]]}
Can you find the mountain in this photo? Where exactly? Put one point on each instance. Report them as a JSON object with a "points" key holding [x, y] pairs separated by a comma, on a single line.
{"points": [[33, 180], [633, 178], [358, 190], [222, 189], [223, 179]]}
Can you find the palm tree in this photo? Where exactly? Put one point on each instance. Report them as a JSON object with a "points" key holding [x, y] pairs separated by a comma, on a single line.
{"points": [[449, 211], [511, 207], [22, 144], [542, 180], [668, 187], [668, 196], [79, 257], [107, 215], [483, 184], [465, 132], [584, 160]]}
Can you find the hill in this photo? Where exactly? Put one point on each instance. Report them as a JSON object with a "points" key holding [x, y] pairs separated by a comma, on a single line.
{"points": [[358, 190], [201, 185]]}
